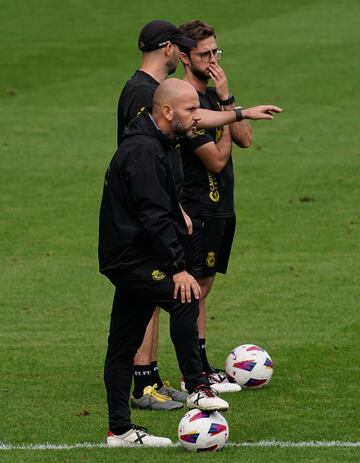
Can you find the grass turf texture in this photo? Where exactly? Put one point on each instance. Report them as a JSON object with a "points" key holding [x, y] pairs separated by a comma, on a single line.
{"points": [[293, 281]]}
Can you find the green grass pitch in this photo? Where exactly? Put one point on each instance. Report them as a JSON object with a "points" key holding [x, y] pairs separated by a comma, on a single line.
{"points": [[293, 285]]}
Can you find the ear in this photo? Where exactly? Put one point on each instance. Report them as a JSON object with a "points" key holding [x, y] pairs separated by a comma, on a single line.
{"points": [[168, 112], [168, 50], [184, 58]]}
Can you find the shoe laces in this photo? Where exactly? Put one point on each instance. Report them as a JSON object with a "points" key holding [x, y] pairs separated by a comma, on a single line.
{"points": [[167, 385], [151, 390], [216, 377], [206, 390], [137, 427]]}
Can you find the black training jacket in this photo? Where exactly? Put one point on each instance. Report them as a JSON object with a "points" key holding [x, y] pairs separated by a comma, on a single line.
{"points": [[141, 224]]}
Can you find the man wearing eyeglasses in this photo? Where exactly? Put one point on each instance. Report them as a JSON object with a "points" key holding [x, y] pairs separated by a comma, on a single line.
{"points": [[159, 42], [207, 195]]}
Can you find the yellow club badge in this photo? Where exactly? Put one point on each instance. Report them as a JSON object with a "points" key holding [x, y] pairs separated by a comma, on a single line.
{"points": [[210, 259], [158, 275]]}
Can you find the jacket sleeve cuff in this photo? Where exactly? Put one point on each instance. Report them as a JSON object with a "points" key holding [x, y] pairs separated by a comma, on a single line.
{"points": [[177, 267]]}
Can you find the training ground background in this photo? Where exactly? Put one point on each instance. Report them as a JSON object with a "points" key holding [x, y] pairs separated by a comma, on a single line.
{"points": [[293, 282]]}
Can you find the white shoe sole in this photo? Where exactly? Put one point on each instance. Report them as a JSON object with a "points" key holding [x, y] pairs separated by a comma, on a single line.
{"points": [[210, 407], [226, 387], [113, 443]]}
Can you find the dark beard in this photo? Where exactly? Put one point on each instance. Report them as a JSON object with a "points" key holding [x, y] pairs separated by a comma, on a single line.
{"points": [[200, 75], [180, 130], [186, 136]]}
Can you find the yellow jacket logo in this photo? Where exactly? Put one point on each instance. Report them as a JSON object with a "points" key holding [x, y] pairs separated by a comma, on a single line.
{"points": [[141, 110], [210, 260], [214, 194], [158, 275]]}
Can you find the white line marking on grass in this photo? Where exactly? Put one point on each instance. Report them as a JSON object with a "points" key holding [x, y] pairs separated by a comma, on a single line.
{"points": [[286, 444], [261, 443], [47, 446]]}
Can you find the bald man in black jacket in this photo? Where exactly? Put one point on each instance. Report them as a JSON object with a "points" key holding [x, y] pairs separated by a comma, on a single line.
{"points": [[141, 239]]}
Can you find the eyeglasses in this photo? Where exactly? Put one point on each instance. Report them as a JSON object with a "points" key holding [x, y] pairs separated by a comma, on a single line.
{"points": [[206, 56]]}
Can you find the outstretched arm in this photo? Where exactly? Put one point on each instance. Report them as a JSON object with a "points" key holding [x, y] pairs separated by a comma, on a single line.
{"points": [[210, 119], [262, 112]]}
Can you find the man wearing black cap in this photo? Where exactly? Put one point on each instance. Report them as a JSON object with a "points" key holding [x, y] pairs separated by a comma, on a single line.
{"points": [[159, 42]]}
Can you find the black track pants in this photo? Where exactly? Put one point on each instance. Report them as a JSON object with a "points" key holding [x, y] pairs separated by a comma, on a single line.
{"points": [[133, 305]]}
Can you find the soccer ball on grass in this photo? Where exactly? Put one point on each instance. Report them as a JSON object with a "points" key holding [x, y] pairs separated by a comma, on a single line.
{"points": [[201, 431], [250, 366]]}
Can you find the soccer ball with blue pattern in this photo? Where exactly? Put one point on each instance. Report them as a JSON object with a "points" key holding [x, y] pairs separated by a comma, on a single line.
{"points": [[250, 366], [201, 431]]}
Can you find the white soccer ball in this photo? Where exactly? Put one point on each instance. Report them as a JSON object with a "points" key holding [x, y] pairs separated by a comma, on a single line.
{"points": [[250, 366], [201, 431]]}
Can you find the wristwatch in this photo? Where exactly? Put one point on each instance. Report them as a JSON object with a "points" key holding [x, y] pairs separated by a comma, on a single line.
{"points": [[238, 112], [230, 100]]}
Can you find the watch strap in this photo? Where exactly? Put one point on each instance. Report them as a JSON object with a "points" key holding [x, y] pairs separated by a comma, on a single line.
{"points": [[228, 101], [238, 112]]}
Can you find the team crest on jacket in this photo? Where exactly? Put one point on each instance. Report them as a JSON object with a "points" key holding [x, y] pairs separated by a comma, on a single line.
{"points": [[158, 275], [210, 259]]}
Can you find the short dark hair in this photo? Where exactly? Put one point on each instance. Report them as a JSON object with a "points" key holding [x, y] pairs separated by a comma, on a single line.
{"points": [[196, 30]]}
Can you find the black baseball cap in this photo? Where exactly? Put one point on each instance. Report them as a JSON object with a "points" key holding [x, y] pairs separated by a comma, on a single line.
{"points": [[157, 34]]}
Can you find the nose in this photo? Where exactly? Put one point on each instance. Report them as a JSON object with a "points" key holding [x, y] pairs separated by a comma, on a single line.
{"points": [[196, 117], [212, 57]]}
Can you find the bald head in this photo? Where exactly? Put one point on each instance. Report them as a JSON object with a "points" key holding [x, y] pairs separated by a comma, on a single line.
{"points": [[175, 105], [172, 92]]}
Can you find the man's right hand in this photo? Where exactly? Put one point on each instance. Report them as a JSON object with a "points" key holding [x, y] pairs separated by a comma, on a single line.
{"points": [[260, 112], [185, 283], [219, 78]]}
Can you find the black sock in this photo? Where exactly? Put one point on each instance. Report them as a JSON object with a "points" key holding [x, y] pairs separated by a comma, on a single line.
{"points": [[142, 378], [155, 375], [205, 363]]}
